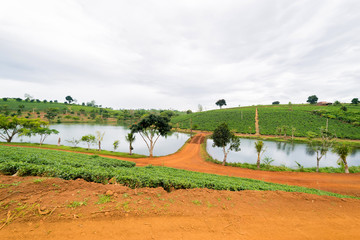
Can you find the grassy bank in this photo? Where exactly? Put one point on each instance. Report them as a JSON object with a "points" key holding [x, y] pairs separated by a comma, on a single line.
{"points": [[75, 149]]}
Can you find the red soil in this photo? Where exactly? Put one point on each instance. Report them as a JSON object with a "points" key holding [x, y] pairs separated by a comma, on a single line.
{"points": [[182, 214]]}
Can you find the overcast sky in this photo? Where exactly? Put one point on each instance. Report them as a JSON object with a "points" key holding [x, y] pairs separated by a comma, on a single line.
{"points": [[168, 54]]}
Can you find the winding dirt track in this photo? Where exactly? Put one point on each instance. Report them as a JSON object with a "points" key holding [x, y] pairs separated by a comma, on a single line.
{"points": [[189, 158]]}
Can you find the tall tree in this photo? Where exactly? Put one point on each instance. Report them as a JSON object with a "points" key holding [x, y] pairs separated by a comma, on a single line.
{"points": [[220, 103], [312, 99], [43, 131], [259, 146], [89, 139], [69, 99], [130, 138], [355, 101], [10, 126], [150, 128], [343, 150], [223, 137], [327, 140]]}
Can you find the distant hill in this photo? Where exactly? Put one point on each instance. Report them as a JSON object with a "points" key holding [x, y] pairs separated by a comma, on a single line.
{"points": [[60, 112], [299, 118]]}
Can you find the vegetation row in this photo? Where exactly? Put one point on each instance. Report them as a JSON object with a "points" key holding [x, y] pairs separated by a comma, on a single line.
{"points": [[39, 162], [280, 120]]}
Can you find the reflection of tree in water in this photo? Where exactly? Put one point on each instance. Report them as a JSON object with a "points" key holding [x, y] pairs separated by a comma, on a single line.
{"points": [[285, 147], [310, 151]]}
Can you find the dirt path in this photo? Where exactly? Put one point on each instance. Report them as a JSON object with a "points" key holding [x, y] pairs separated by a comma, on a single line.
{"points": [[44, 209], [257, 123], [189, 158]]}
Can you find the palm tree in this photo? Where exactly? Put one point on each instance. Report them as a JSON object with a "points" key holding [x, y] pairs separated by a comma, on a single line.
{"points": [[259, 146], [343, 150], [130, 138]]}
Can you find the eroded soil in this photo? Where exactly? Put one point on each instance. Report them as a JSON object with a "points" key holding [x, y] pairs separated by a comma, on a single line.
{"points": [[50, 208]]}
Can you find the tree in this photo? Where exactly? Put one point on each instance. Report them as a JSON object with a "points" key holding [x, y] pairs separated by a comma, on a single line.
{"points": [[74, 141], [99, 138], [259, 146], [200, 108], [51, 113], [89, 139], [220, 103], [150, 128], [10, 126], [116, 144], [312, 99], [222, 137], [355, 101], [275, 103], [43, 131], [130, 138], [343, 150], [69, 99], [326, 142]]}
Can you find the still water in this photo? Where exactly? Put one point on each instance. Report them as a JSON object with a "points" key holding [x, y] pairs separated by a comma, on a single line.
{"points": [[164, 146], [283, 154]]}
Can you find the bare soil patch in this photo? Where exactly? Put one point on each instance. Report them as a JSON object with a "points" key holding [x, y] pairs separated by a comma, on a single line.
{"points": [[50, 208]]}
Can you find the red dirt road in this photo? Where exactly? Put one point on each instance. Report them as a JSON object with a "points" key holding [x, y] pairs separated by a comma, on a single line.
{"points": [[190, 158]]}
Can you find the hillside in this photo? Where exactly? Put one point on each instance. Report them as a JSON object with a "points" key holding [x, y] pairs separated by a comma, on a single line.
{"points": [[61, 112], [296, 119]]}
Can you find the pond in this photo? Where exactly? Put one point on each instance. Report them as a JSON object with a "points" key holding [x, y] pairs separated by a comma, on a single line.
{"points": [[283, 153], [164, 146]]}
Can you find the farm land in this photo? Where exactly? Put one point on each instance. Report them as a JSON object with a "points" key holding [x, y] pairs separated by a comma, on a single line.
{"points": [[49, 194]]}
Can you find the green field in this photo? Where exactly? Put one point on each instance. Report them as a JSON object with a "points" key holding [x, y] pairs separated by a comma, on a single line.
{"points": [[303, 118], [50, 163], [241, 120], [72, 112]]}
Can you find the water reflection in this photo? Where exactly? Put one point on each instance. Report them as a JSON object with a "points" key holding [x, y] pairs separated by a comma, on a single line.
{"points": [[164, 145], [283, 153]]}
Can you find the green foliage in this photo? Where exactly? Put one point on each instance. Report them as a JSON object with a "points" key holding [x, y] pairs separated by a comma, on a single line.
{"points": [[89, 139], [223, 137], [11, 126], [39, 162], [307, 118], [116, 144], [276, 103], [312, 99], [221, 102], [130, 138], [242, 120], [355, 101], [150, 128]]}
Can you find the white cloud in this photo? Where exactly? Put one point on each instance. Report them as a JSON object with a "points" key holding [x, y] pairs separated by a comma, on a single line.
{"points": [[176, 54]]}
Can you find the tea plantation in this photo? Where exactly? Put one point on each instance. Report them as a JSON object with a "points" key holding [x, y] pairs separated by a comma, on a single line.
{"points": [[50, 163]]}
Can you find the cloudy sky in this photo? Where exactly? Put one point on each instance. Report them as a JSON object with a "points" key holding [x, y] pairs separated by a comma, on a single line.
{"points": [[177, 54]]}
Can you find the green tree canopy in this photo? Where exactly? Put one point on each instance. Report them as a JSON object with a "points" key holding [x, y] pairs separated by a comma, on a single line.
{"points": [[222, 137], [150, 128], [312, 99], [220, 103], [69, 99], [355, 101], [130, 138], [10, 126], [89, 139]]}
